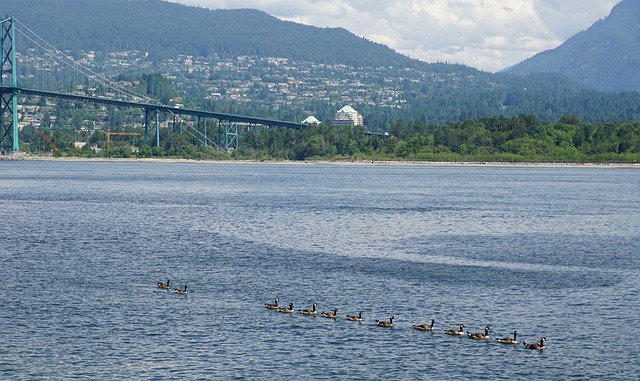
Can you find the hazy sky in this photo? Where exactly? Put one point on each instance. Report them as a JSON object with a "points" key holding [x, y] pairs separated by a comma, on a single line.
{"points": [[486, 34]]}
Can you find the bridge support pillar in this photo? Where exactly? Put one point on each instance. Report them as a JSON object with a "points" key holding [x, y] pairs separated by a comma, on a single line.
{"points": [[8, 74], [206, 139], [230, 135], [152, 114]]}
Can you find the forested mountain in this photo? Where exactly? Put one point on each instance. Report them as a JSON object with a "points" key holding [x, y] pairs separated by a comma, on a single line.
{"points": [[604, 57], [166, 29]]}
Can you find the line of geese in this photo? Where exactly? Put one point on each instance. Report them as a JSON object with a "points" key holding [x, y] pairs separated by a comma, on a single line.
{"points": [[420, 327], [165, 286]]}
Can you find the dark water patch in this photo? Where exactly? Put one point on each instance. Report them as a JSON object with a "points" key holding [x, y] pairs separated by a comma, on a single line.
{"points": [[561, 249]]}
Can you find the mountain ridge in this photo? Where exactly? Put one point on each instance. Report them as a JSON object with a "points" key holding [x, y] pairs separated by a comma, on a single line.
{"points": [[604, 57], [194, 30]]}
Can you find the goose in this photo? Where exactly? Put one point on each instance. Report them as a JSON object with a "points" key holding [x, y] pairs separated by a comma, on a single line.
{"points": [[536, 345], [480, 336], [273, 306], [357, 317], [385, 323], [455, 332], [164, 286], [509, 340], [179, 291], [311, 311], [286, 310], [331, 315], [425, 327]]}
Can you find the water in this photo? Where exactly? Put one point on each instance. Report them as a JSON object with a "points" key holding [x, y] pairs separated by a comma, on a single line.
{"points": [[545, 251]]}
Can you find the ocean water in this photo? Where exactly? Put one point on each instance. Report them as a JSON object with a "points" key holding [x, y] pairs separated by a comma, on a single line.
{"points": [[548, 252]]}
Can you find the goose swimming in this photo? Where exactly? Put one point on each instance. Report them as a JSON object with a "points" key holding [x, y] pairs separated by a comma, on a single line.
{"points": [[509, 340], [357, 317], [311, 311], [331, 315], [455, 332], [286, 310], [425, 327], [480, 336], [536, 345], [164, 286], [273, 306], [385, 323]]}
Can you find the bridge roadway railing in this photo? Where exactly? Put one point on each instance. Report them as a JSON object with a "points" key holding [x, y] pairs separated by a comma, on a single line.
{"points": [[162, 108], [157, 107]]}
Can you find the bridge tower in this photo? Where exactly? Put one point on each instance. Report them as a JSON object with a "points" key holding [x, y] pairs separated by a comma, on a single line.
{"points": [[152, 116], [9, 98], [231, 134]]}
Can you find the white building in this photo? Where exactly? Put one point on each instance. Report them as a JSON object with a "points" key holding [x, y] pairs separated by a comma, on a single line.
{"points": [[347, 115]]}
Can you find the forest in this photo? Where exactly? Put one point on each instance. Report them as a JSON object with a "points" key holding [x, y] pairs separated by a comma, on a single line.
{"points": [[495, 139], [165, 29]]}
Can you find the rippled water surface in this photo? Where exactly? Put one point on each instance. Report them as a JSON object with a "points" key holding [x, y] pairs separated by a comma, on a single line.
{"points": [[551, 252]]}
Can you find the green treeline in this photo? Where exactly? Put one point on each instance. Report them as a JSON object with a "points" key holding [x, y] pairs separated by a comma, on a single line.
{"points": [[496, 139], [500, 139]]}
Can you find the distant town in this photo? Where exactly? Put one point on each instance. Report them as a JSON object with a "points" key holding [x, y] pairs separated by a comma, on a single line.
{"points": [[264, 83], [281, 82]]}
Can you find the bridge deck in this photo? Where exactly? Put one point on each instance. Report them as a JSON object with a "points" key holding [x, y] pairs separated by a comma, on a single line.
{"points": [[161, 108]]}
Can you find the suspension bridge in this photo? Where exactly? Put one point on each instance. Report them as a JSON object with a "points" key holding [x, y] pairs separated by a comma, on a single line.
{"points": [[32, 67]]}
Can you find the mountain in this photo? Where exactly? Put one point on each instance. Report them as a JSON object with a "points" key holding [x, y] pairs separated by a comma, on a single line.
{"points": [[166, 29], [604, 57]]}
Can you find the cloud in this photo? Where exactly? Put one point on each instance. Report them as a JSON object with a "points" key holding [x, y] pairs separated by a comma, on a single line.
{"points": [[485, 34]]}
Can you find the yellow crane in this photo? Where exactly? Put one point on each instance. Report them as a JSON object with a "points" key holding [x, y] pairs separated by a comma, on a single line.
{"points": [[109, 133]]}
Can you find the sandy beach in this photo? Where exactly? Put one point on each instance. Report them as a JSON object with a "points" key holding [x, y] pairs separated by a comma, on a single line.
{"points": [[23, 156]]}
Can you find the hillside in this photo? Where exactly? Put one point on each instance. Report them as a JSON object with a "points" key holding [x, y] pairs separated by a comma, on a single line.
{"points": [[604, 57], [166, 29]]}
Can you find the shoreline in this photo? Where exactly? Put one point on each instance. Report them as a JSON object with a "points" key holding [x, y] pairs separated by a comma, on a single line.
{"points": [[355, 162]]}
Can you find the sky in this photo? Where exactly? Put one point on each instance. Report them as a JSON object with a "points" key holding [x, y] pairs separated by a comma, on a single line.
{"points": [[485, 34]]}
